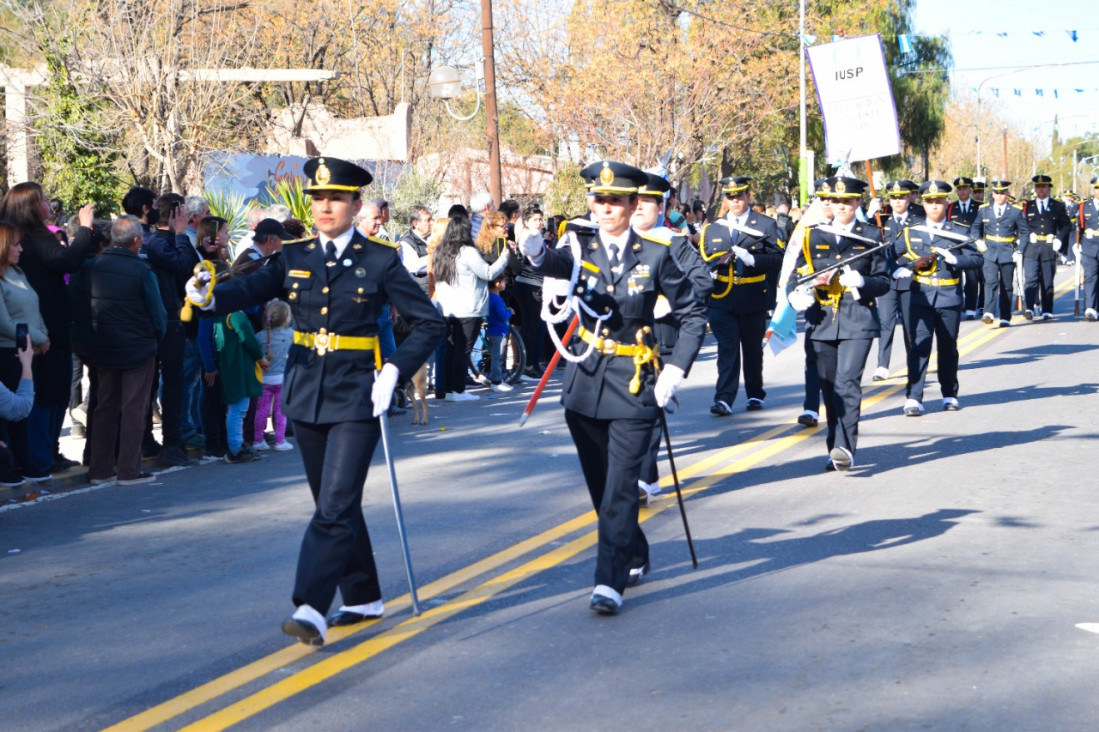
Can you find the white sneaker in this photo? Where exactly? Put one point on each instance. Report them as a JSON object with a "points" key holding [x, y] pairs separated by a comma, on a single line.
{"points": [[503, 387], [282, 446], [1091, 315], [482, 379], [881, 373], [261, 445], [465, 396], [912, 408]]}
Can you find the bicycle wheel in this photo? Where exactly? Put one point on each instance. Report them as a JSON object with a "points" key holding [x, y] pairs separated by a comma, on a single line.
{"points": [[515, 356]]}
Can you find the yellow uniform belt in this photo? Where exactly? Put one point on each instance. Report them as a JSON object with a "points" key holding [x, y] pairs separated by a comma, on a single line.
{"points": [[1044, 237], [606, 346], [936, 281], [322, 342], [1003, 239], [741, 280], [1091, 232]]}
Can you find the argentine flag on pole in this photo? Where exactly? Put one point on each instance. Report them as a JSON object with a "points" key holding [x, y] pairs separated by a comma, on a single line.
{"points": [[904, 43], [782, 331]]}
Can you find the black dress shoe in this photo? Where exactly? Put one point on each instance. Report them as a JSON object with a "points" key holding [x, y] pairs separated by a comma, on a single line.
{"points": [[829, 467], [721, 409], [303, 630], [754, 405], [603, 605], [346, 617], [636, 574]]}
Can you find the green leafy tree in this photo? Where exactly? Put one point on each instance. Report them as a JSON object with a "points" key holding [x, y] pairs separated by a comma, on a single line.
{"points": [[414, 188], [77, 152], [566, 193]]}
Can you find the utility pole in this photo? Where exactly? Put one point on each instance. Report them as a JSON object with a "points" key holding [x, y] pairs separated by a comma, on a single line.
{"points": [[492, 127]]}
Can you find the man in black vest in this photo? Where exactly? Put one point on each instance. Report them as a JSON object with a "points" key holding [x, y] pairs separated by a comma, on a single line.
{"points": [[128, 322], [336, 385], [414, 245], [612, 392]]}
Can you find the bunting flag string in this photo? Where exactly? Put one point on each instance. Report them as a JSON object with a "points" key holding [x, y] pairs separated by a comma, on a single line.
{"points": [[1038, 92], [904, 40]]}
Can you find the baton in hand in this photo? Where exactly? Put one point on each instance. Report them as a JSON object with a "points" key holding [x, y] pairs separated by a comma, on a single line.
{"points": [[549, 371]]}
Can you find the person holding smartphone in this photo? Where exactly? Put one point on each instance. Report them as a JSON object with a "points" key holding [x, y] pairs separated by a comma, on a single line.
{"points": [[19, 311]]}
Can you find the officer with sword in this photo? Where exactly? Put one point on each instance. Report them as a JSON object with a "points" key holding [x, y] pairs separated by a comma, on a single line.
{"points": [[615, 388], [336, 385], [1087, 251]]}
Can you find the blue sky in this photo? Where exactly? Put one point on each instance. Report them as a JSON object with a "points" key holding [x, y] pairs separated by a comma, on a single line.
{"points": [[1023, 61]]}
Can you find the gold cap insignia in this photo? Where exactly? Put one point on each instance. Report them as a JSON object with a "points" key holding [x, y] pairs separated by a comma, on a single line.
{"points": [[840, 187], [606, 175], [896, 187], [932, 188], [825, 187], [323, 174]]}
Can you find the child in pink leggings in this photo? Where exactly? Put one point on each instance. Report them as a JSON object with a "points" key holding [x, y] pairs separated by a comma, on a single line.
{"points": [[279, 337]]}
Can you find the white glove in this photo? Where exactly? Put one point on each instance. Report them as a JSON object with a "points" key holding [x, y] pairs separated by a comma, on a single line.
{"points": [[873, 208], [1076, 249], [385, 381], [669, 380], [1033, 238], [801, 298], [902, 273], [947, 255], [1057, 244], [744, 255], [981, 246], [661, 308], [852, 279], [1017, 257], [531, 244], [198, 288]]}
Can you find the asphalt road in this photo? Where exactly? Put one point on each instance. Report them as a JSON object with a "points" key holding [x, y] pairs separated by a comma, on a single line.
{"points": [[945, 583]]}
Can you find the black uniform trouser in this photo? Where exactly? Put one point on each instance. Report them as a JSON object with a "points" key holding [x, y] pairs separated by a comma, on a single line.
{"points": [[1039, 284], [924, 324], [812, 378], [531, 325], [973, 288], [840, 365], [611, 452], [739, 340], [999, 285], [889, 309], [1089, 263], [336, 551]]}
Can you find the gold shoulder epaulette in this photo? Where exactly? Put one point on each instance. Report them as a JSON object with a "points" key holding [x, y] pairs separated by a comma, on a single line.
{"points": [[645, 235], [383, 242]]}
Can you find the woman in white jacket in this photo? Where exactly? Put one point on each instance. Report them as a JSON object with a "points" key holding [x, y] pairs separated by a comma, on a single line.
{"points": [[462, 278]]}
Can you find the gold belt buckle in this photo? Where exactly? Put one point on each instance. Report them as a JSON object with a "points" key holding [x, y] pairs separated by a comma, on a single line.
{"points": [[321, 343], [609, 347]]}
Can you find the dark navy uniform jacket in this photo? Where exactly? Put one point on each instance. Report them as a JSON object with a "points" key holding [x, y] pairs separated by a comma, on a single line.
{"points": [[954, 213], [1088, 227], [852, 318], [938, 285], [598, 386], [345, 299], [1053, 223], [1012, 225], [739, 288], [891, 232]]}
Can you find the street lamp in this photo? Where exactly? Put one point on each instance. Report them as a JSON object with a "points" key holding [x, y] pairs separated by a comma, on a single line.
{"points": [[444, 83]]}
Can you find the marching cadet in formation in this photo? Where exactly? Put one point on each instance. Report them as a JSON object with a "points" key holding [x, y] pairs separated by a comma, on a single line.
{"points": [[740, 248], [839, 306], [979, 188], [932, 263], [964, 212], [336, 384], [648, 221], [1002, 234], [1087, 250], [612, 391], [1050, 226], [900, 194]]}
